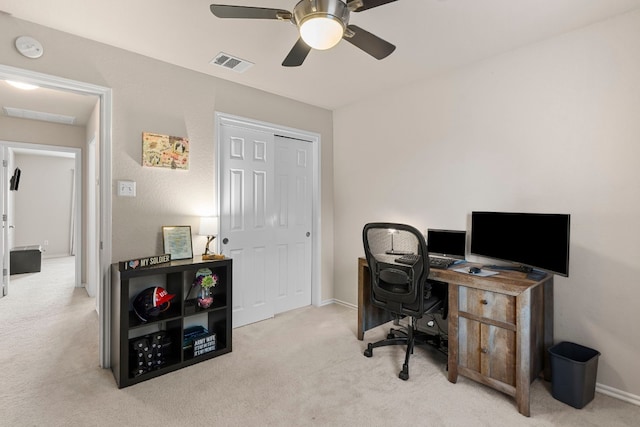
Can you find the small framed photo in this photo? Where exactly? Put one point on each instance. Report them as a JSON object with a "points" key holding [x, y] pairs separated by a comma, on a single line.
{"points": [[177, 241], [165, 151]]}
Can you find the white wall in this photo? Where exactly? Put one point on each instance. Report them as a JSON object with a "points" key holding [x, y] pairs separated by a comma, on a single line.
{"points": [[552, 127], [43, 203], [153, 96], [42, 134]]}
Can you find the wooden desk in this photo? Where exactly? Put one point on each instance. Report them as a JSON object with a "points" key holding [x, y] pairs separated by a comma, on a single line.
{"points": [[500, 327]]}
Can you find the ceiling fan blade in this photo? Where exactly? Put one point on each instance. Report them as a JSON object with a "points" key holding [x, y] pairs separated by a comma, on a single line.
{"points": [[247, 12], [366, 41], [297, 55], [370, 4]]}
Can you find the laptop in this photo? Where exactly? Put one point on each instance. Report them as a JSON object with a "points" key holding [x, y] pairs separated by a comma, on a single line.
{"points": [[446, 246]]}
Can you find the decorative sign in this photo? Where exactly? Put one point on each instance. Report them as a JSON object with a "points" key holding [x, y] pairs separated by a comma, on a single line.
{"points": [[165, 151], [204, 345], [139, 263]]}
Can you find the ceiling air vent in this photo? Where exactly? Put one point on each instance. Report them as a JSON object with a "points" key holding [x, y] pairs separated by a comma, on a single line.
{"points": [[21, 113], [231, 62]]}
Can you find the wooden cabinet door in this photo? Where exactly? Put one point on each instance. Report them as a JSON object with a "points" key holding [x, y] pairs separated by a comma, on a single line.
{"points": [[487, 349]]}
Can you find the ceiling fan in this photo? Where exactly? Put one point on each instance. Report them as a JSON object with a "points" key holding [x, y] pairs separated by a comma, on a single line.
{"points": [[321, 23]]}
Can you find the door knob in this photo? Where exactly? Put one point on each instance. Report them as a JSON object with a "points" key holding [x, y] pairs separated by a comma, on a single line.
{"points": [[225, 241], [308, 234]]}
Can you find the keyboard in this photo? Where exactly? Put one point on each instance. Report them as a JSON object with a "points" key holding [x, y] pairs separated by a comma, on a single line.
{"points": [[408, 259], [434, 262], [437, 262]]}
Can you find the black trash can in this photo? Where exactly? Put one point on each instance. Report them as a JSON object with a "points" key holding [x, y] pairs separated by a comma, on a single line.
{"points": [[573, 373]]}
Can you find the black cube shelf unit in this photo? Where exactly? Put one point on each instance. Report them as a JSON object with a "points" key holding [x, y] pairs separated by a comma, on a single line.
{"points": [[177, 278]]}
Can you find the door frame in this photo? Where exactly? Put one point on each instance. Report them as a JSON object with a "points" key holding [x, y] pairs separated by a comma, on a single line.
{"points": [[105, 96], [316, 223], [4, 204], [93, 230], [45, 150]]}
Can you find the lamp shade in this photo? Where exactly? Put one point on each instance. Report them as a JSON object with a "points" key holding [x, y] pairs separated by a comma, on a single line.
{"points": [[321, 32], [321, 22], [209, 226]]}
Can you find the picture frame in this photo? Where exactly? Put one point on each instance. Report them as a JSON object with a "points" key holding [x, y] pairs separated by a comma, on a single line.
{"points": [[165, 151], [176, 240]]}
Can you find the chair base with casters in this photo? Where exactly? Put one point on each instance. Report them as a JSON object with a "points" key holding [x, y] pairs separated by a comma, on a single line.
{"points": [[409, 336]]}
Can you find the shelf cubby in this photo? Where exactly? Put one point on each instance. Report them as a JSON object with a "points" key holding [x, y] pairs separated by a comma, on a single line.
{"points": [[177, 278]]}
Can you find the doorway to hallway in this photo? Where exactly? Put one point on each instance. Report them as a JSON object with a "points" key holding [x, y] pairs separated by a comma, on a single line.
{"points": [[103, 192]]}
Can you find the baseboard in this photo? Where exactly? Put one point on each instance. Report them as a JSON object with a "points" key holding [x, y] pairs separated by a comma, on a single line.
{"points": [[618, 394], [339, 302]]}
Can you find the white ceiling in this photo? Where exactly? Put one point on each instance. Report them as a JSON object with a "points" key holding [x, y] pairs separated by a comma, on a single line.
{"points": [[45, 100], [432, 37]]}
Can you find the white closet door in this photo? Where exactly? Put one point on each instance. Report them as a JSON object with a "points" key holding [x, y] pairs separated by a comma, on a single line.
{"points": [[293, 203], [266, 191], [246, 222]]}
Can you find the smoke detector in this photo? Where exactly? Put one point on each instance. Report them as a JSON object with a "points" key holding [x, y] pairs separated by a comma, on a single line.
{"points": [[29, 47]]}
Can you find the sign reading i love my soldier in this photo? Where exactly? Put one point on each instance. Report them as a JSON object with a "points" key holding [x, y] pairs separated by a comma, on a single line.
{"points": [[139, 263]]}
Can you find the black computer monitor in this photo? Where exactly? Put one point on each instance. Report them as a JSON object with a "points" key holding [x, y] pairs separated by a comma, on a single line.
{"points": [[534, 240], [447, 243]]}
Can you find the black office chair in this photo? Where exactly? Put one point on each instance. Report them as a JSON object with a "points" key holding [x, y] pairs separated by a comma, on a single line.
{"points": [[402, 289]]}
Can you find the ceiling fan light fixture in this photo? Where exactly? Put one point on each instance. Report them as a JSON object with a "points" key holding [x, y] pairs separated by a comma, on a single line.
{"points": [[321, 25], [321, 22], [321, 32]]}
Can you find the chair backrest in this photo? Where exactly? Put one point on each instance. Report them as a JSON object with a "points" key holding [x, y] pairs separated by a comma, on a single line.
{"points": [[399, 288]]}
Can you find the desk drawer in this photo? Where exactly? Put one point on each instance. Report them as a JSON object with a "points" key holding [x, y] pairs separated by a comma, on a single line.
{"points": [[487, 304]]}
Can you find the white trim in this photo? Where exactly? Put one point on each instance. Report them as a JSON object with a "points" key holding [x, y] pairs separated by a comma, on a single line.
{"points": [[105, 95], [340, 302], [104, 258], [312, 137], [92, 278], [618, 394], [6, 209]]}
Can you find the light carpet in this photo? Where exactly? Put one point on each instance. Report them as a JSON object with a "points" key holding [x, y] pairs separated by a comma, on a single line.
{"points": [[304, 367]]}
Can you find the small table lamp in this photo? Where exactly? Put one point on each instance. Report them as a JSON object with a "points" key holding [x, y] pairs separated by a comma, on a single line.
{"points": [[209, 228], [393, 251]]}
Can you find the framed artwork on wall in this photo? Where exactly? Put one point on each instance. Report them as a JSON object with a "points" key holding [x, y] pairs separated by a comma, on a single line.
{"points": [[165, 151], [176, 241]]}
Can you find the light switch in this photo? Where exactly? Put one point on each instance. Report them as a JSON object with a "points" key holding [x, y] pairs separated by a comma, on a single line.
{"points": [[127, 188]]}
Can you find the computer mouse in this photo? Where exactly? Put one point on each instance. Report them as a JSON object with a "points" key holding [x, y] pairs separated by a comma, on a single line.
{"points": [[474, 270]]}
